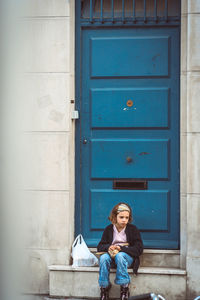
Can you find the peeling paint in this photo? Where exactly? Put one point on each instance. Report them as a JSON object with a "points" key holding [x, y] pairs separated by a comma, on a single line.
{"points": [[129, 108], [144, 153]]}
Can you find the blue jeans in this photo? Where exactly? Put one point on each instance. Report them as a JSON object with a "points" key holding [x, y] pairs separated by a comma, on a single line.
{"points": [[122, 261]]}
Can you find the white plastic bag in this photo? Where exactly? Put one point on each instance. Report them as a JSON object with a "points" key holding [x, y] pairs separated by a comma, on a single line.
{"points": [[82, 257]]}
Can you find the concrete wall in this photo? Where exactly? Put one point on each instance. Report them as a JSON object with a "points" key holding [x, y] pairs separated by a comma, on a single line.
{"points": [[49, 134], [192, 74]]}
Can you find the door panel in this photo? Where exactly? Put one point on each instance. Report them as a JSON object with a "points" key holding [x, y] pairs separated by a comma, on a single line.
{"points": [[129, 158], [129, 107], [154, 205], [129, 129], [128, 56]]}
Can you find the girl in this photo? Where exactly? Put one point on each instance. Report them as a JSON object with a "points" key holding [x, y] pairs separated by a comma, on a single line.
{"points": [[123, 245]]}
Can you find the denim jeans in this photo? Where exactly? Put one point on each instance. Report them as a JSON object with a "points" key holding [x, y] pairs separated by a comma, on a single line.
{"points": [[122, 261]]}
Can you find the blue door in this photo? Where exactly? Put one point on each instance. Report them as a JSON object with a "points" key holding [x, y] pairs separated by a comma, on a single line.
{"points": [[128, 141]]}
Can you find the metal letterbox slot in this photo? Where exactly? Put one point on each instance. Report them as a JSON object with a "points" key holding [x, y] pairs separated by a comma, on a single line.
{"points": [[130, 185]]}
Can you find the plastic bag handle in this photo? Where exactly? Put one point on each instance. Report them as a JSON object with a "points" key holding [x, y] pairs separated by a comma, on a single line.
{"points": [[79, 237]]}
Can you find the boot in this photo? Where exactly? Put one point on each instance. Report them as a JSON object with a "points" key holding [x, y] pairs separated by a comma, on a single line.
{"points": [[105, 293], [124, 295]]}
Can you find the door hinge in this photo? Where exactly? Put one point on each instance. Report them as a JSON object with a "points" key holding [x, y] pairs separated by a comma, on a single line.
{"points": [[75, 115]]}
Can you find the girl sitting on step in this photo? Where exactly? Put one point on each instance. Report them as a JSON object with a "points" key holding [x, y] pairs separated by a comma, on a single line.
{"points": [[122, 245]]}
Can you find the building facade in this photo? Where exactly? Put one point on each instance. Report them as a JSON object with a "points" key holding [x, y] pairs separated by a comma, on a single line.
{"points": [[70, 64]]}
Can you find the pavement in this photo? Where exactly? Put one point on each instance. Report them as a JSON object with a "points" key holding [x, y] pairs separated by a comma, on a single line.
{"points": [[34, 297]]}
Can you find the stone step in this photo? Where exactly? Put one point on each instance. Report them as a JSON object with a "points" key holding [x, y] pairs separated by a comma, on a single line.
{"points": [[157, 258], [82, 282]]}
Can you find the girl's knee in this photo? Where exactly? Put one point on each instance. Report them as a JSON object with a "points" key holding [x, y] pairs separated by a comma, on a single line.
{"points": [[104, 258], [119, 257], [124, 259]]}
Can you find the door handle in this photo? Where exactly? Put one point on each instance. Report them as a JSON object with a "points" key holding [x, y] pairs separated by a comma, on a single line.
{"points": [[129, 159]]}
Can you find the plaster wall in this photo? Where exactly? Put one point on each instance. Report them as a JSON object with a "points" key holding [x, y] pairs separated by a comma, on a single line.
{"points": [[49, 131], [190, 73]]}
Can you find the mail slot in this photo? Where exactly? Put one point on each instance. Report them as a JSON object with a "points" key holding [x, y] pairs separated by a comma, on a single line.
{"points": [[130, 185]]}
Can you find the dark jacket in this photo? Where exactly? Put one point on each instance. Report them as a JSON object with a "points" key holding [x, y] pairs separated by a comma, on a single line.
{"points": [[134, 249]]}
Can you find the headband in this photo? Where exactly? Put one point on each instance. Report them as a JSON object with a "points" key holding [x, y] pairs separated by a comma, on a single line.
{"points": [[123, 207]]}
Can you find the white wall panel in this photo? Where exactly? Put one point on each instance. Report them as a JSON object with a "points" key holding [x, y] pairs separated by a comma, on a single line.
{"points": [[48, 45], [47, 161], [47, 102]]}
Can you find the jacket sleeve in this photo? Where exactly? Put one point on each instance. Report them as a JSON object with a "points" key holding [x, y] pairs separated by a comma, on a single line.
{"points": [[135, 249], [104, 243]]}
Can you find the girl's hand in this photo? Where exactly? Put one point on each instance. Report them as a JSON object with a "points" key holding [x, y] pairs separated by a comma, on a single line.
{"points": [[113, 247], [118, 248]]}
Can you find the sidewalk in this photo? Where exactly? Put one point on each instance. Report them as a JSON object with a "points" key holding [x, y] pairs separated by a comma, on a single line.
{"points": [[32, 297]]}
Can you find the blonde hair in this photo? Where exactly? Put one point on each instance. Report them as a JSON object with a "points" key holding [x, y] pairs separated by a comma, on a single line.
{"points": [[115, 211]]}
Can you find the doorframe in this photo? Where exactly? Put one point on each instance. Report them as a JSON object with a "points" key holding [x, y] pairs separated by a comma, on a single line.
{"points": [[78, 50], [183, 137], [183, 134]]}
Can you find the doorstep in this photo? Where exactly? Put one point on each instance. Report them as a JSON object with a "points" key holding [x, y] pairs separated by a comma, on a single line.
{"points": [[82, 282], [142, 270], [157, 258]]}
